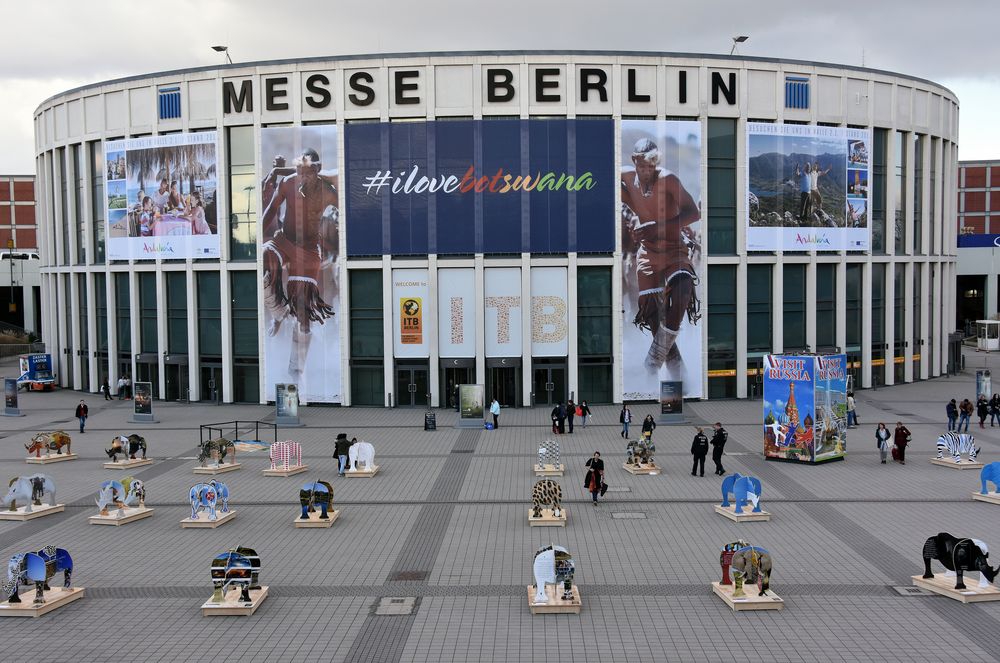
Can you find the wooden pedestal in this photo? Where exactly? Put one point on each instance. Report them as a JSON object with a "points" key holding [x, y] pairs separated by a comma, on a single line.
{"points": [[547, 519], [960, 465], [128, 464], [231, 607], [992, 498], [556, 605], [36, 512], [55, 598], [314, 519], [292, 469], [549, 470], [204, 523], [222, 468], [945, 586], [132, 514], [50, 458], [651, 468], [751, 601], [748, 516], [367, 473]]}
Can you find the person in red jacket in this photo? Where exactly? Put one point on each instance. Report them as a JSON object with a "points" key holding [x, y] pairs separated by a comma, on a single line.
{"points": [[81, 414], [901, 437]]}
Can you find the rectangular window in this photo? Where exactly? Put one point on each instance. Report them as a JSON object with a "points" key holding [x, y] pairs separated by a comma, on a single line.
{"points": [[147, 312], [101, 299], [918, 193], [246, 382], [122, 308], [209, 315], [794, 314], [242, 194], [722, 331], [826, 307], [244, 314], [64, 192], [899, 320], [80, 166], [917, 326], [593, 288], [97, 200], [900, 218], [879, 140], [759, 318], [853, 301], [721, 187], [366, 313], [169, 103], [84, 347], [931, 217], [796, 92], [177, 315], [878, 323]]}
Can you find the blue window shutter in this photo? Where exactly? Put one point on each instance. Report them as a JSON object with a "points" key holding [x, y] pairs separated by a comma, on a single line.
{"points": [[169, 103], [796, 92]]}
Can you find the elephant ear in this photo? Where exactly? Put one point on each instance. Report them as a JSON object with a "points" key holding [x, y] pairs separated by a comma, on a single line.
{"points": [[63, 560], [34, 567]]}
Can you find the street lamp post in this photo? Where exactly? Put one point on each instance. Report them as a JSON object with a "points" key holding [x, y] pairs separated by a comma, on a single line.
{"points": [[223, 49], [738, 40]]}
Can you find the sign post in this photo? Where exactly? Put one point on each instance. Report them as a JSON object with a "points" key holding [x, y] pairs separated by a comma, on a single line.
{"points": [[286, 404], [142, 404]]}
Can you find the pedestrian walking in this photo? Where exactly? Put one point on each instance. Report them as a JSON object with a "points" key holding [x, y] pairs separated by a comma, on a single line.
{"points": [[495, 411], [900, 438], [951, 409], [983, 410], [699, 449], [852, 414], [648, 426], [82, 411], [965, 410], [584, 411], [570, 414], [106, 388], [882, 441], [128, 387], [994, 409], [342, 451], [594, 481], [625, 418], [719, 438], [121, 388], [559, 418]]}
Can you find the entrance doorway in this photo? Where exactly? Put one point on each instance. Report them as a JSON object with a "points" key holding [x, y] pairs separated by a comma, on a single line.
{"points": [[177, 382], [453, 373], [148, 372], [412, 386], [502, 383], [549, 383], [211, 382]]}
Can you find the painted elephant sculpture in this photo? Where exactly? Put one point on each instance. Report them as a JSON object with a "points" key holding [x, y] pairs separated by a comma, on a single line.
{"points": [[990, 472], [53, 441], [36, 568], [957, 444], [743, 489], [361, 452], [216, 449], [959, 555], [128, 446], [640, 451], [553, 565], [548, 454], [751, 564], [239, 567], [29, 490], [206, 496], [129, 492], [316, 494]]}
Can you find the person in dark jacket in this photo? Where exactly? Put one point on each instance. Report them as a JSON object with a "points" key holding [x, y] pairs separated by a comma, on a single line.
{"points": [[994, 409], [699, 449], [106, 388], [81, 413], [719, 438], [594, 481], [983, 410], [882, 436], [965, 410], [570, 413], [585, 412], [901, 437], [559, 418], [951, 409], [341, 450], [648, 426], [625, 418]]}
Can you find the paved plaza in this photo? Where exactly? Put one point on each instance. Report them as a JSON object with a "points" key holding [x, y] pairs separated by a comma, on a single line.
{"points": [[444, 526]]}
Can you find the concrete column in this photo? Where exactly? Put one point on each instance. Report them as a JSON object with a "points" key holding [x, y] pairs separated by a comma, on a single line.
{"points": [[890, 323], [194, 365], [741, 330], [388, 372]]}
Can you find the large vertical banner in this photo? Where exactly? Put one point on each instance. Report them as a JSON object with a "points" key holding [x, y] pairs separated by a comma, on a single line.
{"points": [[503, 311], [161, 197], [808, 188], [456, 310], [831, 407], [300, 252], [661, 256], [549, 312], [411, 320], [788, 407]]}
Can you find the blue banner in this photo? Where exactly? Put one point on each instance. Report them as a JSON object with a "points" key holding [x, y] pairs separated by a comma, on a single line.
{"points": [[480, 186], [978, 241]]}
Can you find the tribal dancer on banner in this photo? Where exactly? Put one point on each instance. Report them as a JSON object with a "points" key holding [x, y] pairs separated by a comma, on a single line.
{"points": [[301, 231], [656, 214]]}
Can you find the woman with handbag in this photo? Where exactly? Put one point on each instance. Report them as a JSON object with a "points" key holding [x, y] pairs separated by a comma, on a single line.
{"points": [[882, 435], [901, 438], [584, 411], [594, 482]]}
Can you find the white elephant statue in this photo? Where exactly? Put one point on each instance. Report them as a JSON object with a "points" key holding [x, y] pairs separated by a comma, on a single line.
{"points": [[361, 452], [553, 565], [29, 490]]}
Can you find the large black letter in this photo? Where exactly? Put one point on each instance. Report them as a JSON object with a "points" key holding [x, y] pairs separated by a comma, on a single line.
{"points": [[632, 95], [367, 95], [541, 85], [586, 85], [233, 103], [506, 77], [271, 94], [402, 87], [728, 91], [313, 85], [682, 87]]}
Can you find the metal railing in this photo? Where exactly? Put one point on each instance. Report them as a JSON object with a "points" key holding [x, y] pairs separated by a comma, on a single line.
{"points": [[235, 428], [15, 349]]}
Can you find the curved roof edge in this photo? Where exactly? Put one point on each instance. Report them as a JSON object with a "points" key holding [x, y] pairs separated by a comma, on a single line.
{"points": [[441, 54]]}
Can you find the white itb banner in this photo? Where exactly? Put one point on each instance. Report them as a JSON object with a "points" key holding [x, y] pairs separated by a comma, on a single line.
{"points": [[549, 312], [457, 312], [503, 311], [411, 323]]}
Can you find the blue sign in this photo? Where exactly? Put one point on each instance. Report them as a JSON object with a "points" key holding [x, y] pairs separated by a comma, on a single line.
{"points": [[978, 241], [480, 186]]}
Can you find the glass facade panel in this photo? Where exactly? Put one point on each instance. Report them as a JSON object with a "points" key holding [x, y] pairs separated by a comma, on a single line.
{"points": [[366, 313], [853, 297], [101, 299], [794, 313], [826, 307], [209, 315], [244, 314], [147, 312], [878, 323], [80, 168], [759, 315], [918, 193], [931, 216], [917, 322], [899, 322], [721, 186], [177, 316], [899, 147], [593, 296], [122, 307], [97, 200], [246, 383], [65, 187], [722, 331], [879, 140], [242, 194]]}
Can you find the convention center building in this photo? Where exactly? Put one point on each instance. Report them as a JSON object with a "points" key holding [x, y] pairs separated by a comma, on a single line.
{"points": [[379, 229]]}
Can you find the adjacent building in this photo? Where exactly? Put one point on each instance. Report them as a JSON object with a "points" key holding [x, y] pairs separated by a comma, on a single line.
{"points": [[20, 277], [978, 240]]}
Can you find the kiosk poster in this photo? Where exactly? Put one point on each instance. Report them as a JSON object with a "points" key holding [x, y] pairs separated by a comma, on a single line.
{"points": [[10, 393], [161, 197], [143, 398], [286, 401], [788, 407], [472, 398], [807, 188], [831, 407], [671, 398]]}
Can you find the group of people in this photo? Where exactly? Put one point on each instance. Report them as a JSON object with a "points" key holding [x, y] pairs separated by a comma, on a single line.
{"points": [[563, 414], [342, 451], [960, 414], [148, 211], [900, 438], [124, 388], [810, 200]]}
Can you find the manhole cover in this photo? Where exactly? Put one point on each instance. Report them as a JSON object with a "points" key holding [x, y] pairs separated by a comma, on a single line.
{"points": [[909, 590], [629, 515], [619, 489], [410, 575], [390, 605]]}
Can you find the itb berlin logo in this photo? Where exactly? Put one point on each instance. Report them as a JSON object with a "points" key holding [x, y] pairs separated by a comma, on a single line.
{"points": [[501, 181]]}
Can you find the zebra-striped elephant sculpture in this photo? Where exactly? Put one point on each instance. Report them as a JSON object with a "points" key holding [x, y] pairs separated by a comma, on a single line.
{"points": [[957, 444]]}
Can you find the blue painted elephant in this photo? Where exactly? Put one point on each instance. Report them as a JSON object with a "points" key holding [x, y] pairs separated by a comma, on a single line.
{"points": [[207, 496], [37, 568], [744, 490], [990, 472]]}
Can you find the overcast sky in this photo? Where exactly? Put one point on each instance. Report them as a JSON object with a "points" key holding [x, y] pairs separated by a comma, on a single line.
{"points": [[55, 45]]}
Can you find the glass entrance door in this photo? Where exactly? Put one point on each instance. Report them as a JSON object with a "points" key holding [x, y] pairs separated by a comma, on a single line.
{"points": [[451, 379], [549, 384], [412, 386], [501, 384], [211, 383]]}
